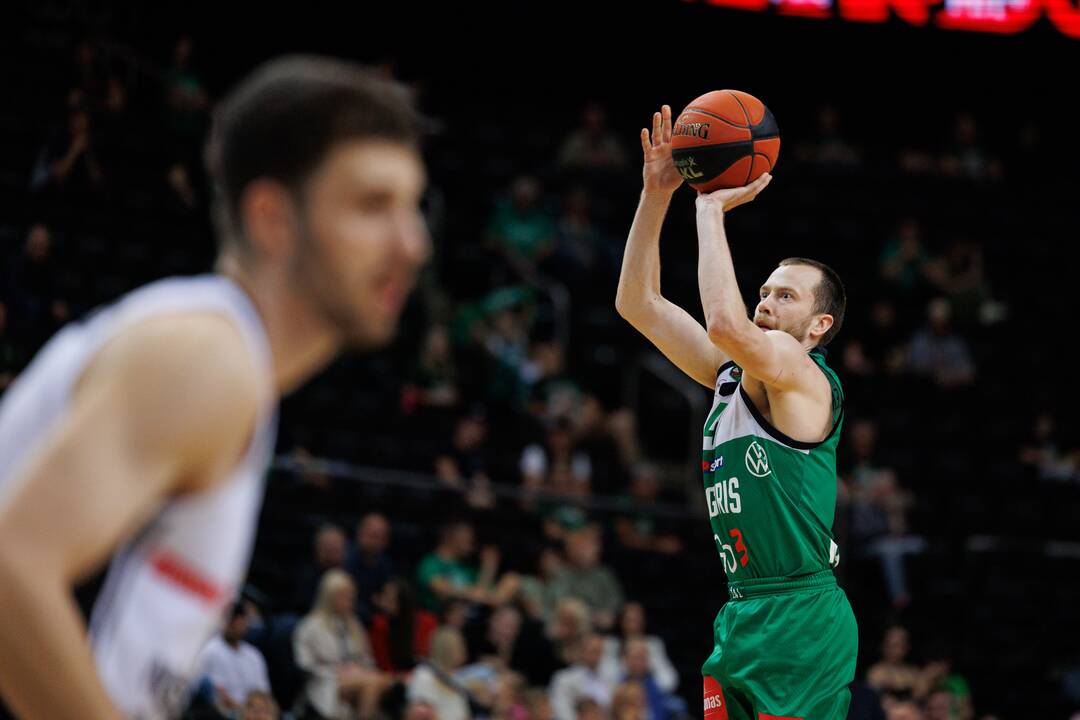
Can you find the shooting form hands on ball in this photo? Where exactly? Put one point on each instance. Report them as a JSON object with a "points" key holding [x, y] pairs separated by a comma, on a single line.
{"points": [[660, 175]]}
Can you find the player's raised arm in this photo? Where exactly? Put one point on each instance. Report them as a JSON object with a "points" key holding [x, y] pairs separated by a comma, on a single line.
{"points": [[163, 409], [670, 328], [774, 357]]}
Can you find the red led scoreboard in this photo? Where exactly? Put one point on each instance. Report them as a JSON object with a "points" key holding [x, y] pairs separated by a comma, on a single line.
{"points": [[995, 16]]}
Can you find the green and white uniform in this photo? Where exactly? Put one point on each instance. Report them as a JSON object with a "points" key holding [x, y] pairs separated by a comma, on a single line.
{"points": [[786, 643]]}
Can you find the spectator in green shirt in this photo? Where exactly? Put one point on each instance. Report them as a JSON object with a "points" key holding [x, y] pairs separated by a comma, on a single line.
{"points": [[445, 574]]}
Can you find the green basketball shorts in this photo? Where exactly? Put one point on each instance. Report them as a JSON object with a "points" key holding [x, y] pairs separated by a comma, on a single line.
{"points": [[784, 648]]}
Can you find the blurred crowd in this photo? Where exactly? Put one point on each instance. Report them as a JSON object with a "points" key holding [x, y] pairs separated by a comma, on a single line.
{"points": [[515, 393]]}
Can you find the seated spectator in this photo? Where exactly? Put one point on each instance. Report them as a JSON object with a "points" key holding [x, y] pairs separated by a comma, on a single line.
{"points": [[513, 642], [400, 632], [901, 710], [1044, 450], [558, 451], [585, 578], [592, 146], [445, 575], [368, 563], [904, 263], [259, 706], [235, 668], [509, 701], [939, 353], [632, 627], [420, 710], [433, 680], [331, 646], [39, 303], [893, 675], [328, 553], [67, 164], [629, 702], [464, 464], [434, 381], [581, 681], [938, 674], [941, 704], [569, 627], [538, 704], [521, 229], [637, 529], [961, 278], [537, 595], [637, 662], [966, 157], [828, 147], [879, 511], [589, 709]]}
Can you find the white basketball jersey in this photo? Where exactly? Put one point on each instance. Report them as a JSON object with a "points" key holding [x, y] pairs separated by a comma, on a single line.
{"points": [[166, 588]]}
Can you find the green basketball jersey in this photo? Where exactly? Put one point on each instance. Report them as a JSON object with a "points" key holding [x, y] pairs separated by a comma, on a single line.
{"points": [[771, 499]]}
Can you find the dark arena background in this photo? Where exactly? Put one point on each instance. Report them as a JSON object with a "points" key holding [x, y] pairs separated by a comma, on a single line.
{"points": [[929, 154]]}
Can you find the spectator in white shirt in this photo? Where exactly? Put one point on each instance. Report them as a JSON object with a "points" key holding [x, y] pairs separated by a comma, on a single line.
{"points": [[235, 668], [433, 680], [632, 626], [581, 681]]}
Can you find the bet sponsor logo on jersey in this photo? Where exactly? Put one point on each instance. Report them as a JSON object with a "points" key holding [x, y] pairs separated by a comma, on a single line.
{"points": [[713, 466]]}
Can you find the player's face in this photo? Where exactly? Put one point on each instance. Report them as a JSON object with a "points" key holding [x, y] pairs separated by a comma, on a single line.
{"points": [[786, 300], [366, 238]]}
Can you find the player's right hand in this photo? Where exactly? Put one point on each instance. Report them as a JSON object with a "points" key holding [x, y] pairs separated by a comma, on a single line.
{"points": [[659, 172]]}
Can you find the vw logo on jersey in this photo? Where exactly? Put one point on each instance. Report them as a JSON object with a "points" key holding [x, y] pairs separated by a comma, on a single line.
{"points": [[757, 462]]}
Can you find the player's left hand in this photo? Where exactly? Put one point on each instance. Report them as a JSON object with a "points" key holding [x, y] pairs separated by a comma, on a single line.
{"points": [[728, 198]]}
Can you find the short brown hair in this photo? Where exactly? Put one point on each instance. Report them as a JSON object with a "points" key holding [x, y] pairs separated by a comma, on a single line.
{"points": [[284, 118], [829, 295]]}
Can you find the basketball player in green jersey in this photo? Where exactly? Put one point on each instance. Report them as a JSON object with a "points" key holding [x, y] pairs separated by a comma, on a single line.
{"points": [[785, 644]]}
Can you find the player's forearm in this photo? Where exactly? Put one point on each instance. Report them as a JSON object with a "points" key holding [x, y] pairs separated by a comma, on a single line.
{"points": [[46, 664], [720, 297], [639, 279]]}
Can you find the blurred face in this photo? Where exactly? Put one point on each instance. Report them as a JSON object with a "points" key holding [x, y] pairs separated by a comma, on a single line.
{"points": [[341, 600], [637, 658], [364, 239], [939, 706], [330, 548], [633, 620], [903, 711], [895, 646], [458, 654], [258, 707], [589, 710], [583, 548], [420, 710], [38, 242], [373, 535], [236, 629], [786, 302], [592, 650], [539, 707], [505, 624], [463, 540]]}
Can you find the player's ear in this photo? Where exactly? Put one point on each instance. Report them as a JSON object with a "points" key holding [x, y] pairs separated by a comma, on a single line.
{"points": [[269, 218], [821, 324]]}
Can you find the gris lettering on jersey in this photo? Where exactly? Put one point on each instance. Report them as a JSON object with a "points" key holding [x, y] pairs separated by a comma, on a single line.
{"points": [[723, 497]]}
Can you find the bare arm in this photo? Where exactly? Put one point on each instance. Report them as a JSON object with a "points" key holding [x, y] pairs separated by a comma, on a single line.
{"points": [[162, 410], [670, 328], [775, 358]]}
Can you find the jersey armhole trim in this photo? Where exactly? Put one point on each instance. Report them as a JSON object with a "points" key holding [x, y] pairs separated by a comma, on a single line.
{"points": [[722, 368], [781, 437]]}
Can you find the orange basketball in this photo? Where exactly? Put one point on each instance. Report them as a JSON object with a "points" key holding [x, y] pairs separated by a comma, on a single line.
{"points": [[724, 139]]}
